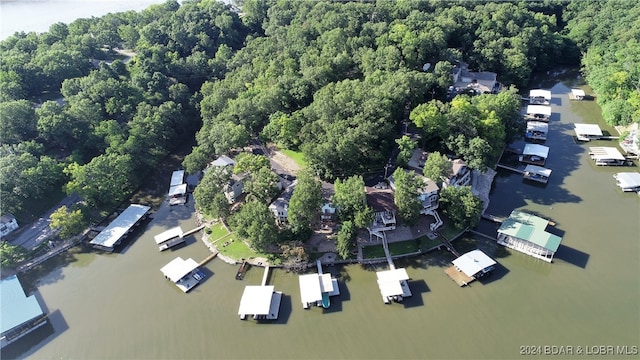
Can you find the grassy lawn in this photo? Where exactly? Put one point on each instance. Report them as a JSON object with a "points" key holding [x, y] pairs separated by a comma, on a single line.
{"points": [[296, 156], [216, 232], [395, 248], [426, 243], [449, 231]]}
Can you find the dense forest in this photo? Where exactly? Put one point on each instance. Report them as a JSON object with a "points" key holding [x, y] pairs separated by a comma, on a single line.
{"points": [[334, 80]]}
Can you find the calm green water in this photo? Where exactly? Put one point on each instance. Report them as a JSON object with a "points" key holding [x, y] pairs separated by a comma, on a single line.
{"points": [[120, 306]]}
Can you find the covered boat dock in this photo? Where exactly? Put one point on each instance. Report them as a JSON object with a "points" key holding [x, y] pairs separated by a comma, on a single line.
{"points": [[393, 285], [534, 154], [577, 94], [261, 301], [19, 314], [539, 97], [606, 156], [588, 132], [538, 112], [119, 228], [536, 173], [183, 273], [537, 130], [527, 233], [470, 266], [628, 181], [169, 238]]}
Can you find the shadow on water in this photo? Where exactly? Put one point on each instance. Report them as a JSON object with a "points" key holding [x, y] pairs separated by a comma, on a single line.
{"points": [[336, 301], [27, 345], [286, 307], [418, 288], [498, 273], [572, 256]]}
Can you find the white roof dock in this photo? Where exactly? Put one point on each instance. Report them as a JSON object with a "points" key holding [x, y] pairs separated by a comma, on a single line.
{"points": [[588, 130], [393, 283], [536, 150], [539, 170], [313, 285], [177, 190], [546, 94], [577, 94], [177, 177], [605, 153], [108, 238], [538, 126], [628, 181], [474, 262], [179, 271], [169, 238], [539, 110], [260, 301]]}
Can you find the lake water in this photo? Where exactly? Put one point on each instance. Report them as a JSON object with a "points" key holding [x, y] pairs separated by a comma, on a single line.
{"points": [[120, 306]]}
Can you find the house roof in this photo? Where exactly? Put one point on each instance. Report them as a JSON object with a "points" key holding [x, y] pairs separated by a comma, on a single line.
{"points": [[381, 199], [539, 109], [7, 218], [457, 166], [177, 177], [17, 308], [538, 170], [536, 149], [588, 129], [283, 200], [473, 262], [118, 227], [540, 93], [256, 299], [429, 187], [628, 179], [178, 268], [168, 235], [531, 228], [222, 161]]}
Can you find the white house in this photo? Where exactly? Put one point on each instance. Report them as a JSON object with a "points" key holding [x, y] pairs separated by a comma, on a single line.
{"points": [[280, 206], [8, 223], [235, 187], [460, 174]]}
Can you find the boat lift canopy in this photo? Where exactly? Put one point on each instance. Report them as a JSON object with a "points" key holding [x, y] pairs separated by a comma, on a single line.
{"points": [[535, 93]]}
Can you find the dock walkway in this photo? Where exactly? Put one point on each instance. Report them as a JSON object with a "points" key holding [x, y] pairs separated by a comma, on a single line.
{"points": [[265, 276], [447, 244], [187, 233], [207, 259], [507, 167]]}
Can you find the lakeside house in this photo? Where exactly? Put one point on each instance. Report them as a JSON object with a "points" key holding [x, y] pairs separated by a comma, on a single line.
{"points": [[393, 285], [8, 223], [577, 94], [527, 233], [484, 82], [183, 273], [381, 200], [327, 213], [460, 174], [429, 199], [223, 161], [536, 130], [628, 181], [470, 266], [536, 173], [280, 206], [539, 97], [538, 112], [19, 314], [587, 132], [120, 228], [534, 154], [607, 156], [235, 187]]}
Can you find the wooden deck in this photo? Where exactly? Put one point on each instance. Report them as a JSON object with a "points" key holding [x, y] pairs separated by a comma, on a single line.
{"points": [[458, 276], [207, 259]]}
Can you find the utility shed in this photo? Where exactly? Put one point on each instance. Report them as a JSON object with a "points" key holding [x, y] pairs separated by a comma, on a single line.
{"points": [[19, 314]]}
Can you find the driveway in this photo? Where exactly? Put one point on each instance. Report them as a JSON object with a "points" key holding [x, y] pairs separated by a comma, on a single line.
{"points": [[39, 231]]}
